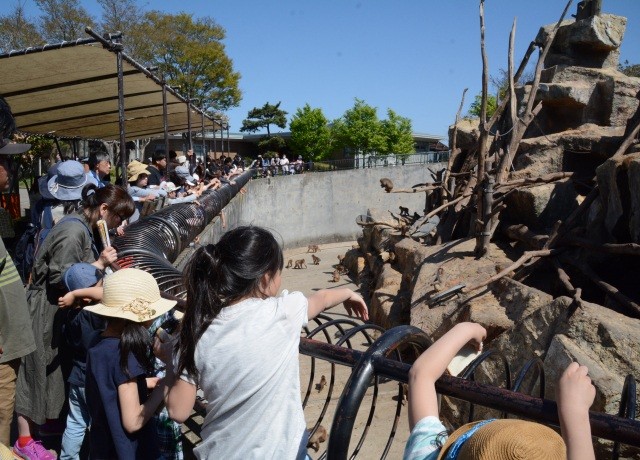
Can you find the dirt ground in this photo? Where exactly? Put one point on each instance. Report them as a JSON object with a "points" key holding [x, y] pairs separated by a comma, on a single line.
{"points": [[308, 281]]}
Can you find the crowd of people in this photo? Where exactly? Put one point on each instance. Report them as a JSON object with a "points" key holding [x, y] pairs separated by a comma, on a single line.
{"points": [[279, 164], [105, 352]]}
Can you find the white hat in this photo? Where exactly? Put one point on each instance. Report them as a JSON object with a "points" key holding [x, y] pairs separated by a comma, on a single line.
{"points": [[181, 159], [131, 294], [170, 187]]}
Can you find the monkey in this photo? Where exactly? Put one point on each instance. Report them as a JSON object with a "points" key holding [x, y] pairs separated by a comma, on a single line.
{"points": [[405, 393], [289, 264], [404, 228], [323, 383], [437, 281], [416, 216], [386, 184], [336, 276], [313, 248], [316, 259], [404, 212], [341, 269], [340, 258], [318, 437], [300, 264]]}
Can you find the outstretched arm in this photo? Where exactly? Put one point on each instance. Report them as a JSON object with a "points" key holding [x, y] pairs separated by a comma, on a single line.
{"points": [[94, 293], [575, 397], [430, 366], [327, 298]]}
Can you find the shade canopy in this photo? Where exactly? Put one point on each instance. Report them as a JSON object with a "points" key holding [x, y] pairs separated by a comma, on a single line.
{"points": [[72, 91]]}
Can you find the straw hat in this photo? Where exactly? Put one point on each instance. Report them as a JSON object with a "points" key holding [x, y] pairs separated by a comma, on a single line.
{"points": [[134, 169], [131, 294], [506, 440]]}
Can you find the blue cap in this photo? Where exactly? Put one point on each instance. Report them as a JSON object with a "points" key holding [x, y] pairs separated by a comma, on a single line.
{"points": [[81, 275]]}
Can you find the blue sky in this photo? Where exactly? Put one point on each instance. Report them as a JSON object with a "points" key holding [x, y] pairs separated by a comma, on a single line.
{"points": [[413, 56]]}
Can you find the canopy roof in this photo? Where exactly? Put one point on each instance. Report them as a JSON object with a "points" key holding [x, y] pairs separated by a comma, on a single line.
{"points": [[72, 91]]}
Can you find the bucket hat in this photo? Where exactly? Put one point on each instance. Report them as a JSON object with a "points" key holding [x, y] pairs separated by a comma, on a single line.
{"points": [[504, 440], [131, 294], [81, 275], [68, 181], [170, 187], [134, 169], [11, 148]]}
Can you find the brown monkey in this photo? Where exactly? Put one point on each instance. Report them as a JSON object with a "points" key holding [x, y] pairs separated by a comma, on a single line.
{"points": [[316, 259], [300, 264], [323, 383], [386, 184], [404, 212], [289, 264], [318, 437], [313, 248], [438, 279], [340, 258], [341, 269], [336, 276], [405, 393]]}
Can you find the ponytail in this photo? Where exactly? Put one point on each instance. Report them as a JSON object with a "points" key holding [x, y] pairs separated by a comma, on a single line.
{"points": [[116, 198], [219, 275]]}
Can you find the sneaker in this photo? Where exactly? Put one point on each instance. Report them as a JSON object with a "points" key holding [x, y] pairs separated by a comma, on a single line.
{"points": [[34, 450]]}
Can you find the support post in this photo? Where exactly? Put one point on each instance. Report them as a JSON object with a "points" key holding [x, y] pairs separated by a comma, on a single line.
{"points": [[123, 142]]}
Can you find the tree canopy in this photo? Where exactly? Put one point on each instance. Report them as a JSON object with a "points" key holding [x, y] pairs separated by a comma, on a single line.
{"points": [[310, 133], [397, 132], [360, 130], [188, 51], [263, 117], [630, 70], [476, 106]]}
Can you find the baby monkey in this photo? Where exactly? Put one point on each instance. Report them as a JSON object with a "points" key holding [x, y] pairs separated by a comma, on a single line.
{"points": [[316, 259]]}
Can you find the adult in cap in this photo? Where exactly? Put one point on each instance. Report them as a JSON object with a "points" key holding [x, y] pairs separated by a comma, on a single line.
{"points": [[182, 171], [16, 338], [40, 393]]}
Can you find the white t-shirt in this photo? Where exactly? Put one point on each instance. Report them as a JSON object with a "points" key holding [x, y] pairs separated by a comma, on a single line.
{"points": [[249, 372]]}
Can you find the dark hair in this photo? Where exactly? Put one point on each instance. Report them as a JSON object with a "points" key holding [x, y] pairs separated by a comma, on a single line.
{"points": [[7, 122], [219, 275], [115, 197], [159, 156], [135, 338]]}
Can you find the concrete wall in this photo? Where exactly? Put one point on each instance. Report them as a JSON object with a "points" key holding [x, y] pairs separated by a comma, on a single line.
{"points": [[322, 207]]}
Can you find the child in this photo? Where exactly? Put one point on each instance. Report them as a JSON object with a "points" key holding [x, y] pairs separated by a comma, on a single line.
{"points": [[239, 344], [82, 330], [117, 367], [491, 439]]}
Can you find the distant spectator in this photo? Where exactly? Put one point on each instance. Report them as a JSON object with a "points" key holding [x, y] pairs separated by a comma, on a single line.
{"points": [[182, 171], [284, 163], [100, 166], [298, 165], [157, 168], [138, 177]]}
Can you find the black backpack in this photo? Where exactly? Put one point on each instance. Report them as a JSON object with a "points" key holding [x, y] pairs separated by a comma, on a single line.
{"points": [[29, 242]]}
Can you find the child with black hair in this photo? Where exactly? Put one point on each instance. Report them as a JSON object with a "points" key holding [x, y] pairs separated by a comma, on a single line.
{"points": [[82, 331], [118, 365], [239, 343], [493, 439]]}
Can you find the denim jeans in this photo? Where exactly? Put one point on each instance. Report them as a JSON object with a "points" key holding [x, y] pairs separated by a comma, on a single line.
{"points": [[77, 423]]}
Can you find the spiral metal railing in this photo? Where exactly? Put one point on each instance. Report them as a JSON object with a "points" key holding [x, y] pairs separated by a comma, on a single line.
{"points": [[155, 242]]}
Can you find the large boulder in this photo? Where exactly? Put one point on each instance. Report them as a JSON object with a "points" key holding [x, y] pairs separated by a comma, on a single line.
{"points": [[590, 42]]}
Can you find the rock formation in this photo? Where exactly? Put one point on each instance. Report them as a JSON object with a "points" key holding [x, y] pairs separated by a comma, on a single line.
{"points": [[569, 213]]}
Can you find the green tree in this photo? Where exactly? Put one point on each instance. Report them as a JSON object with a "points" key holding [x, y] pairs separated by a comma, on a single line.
{"points": [[397, 132], [18, 31], [264, 117], [63, 20], [190, 54], [630, 70], [124, 16], [476, 106], [360, 130], [310, 133]]}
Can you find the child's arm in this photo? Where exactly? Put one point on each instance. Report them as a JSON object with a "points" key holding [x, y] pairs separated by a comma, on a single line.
{"points": [[575, 396], [93, 293], [327, 298], [430, 366]]}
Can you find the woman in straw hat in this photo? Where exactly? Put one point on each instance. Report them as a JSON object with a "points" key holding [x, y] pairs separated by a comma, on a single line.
{"points": [[120, 404], [493, 439], [40, 391]]}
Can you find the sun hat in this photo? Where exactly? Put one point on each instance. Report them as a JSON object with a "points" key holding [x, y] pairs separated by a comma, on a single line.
{"points": [[170, 187], [134, 169], [68, 182], [131, 294], [504, 440], [81, 275], [11, 148]]}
